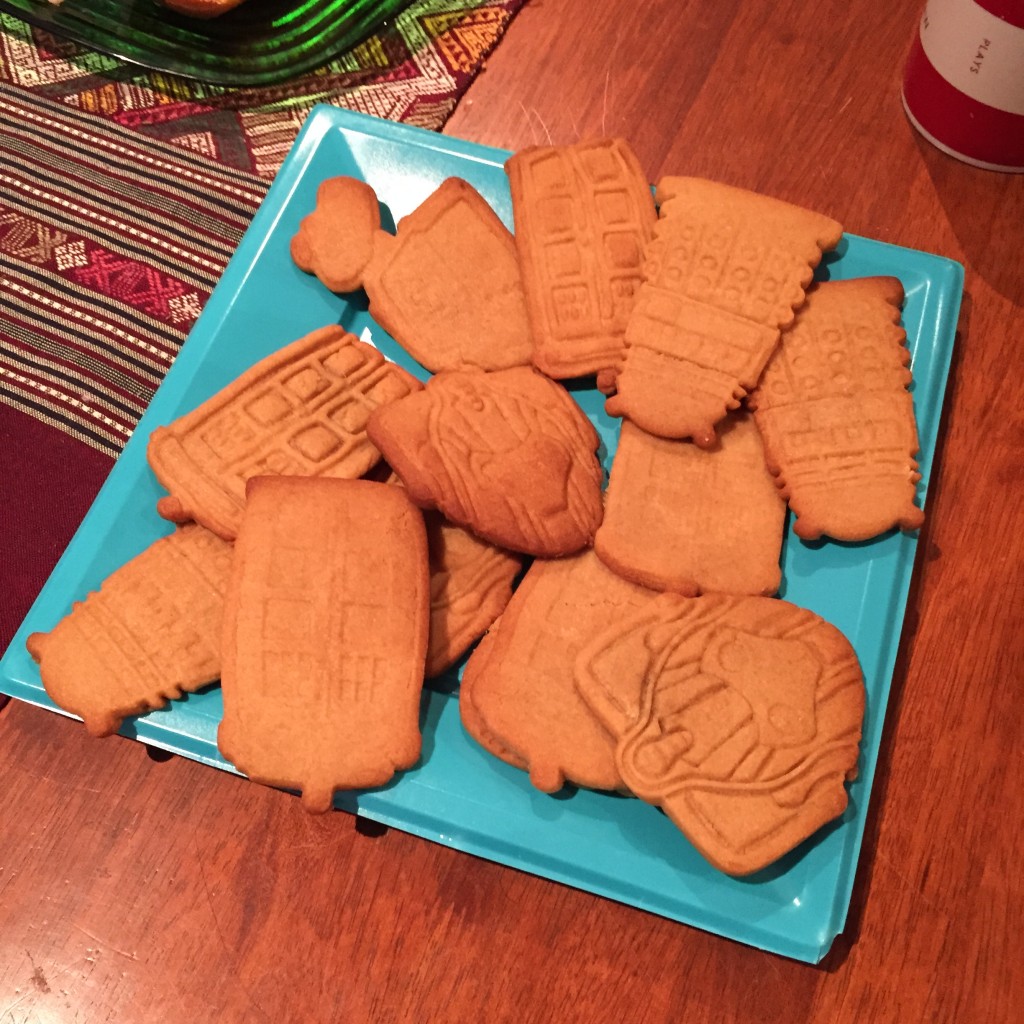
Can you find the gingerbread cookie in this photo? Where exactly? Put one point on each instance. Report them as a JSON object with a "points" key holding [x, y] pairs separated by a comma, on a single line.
{"points": [[336, 240], [722, 276], [472, 721], [750, 720], [448, 288], [508, 454], [690, 520], [470, 585], [836, 416], [300, 412], [325, 636], [149, 634], [583, 215], [519, 680], [446, 285]]}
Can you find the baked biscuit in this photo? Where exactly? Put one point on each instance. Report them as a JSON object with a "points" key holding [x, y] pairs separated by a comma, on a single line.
{"points": [[325, 635], [750, 720], [448, 288], [517, 687], [583, 215], [691, 520], [149, 634], [722, 276], [472, 722], [300, 412], [336, 241], [509, 455], [470, 585], [836, 416]]}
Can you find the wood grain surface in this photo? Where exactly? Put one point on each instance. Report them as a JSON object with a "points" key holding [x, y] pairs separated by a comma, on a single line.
{"points": [[140, 890]]}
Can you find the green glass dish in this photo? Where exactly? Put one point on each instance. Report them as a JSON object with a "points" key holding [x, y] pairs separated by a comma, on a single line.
{"points": [[261, 42]]}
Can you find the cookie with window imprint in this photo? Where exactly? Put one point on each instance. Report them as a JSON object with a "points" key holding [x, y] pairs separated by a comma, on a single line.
{"points": [[583, 216], [301, 411], [325, 636]]}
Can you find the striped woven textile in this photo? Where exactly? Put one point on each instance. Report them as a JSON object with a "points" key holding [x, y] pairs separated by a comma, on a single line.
{"points": [[103, 269]]}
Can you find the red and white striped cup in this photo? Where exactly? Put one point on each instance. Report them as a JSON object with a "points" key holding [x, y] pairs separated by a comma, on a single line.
{"points": [[963, 87]]}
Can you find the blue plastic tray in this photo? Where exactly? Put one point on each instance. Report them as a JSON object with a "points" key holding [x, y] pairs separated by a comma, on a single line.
{"points": [[460, 795]]}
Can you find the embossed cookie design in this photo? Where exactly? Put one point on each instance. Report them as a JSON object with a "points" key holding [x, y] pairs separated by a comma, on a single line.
{"points": [[749, 725], [470, 585], [836, 416], [690, 520], [446, 286], [583, 215], [149, 634], [517, 688], [300, 412], [722, 276], [509, 455], [325, 636]]}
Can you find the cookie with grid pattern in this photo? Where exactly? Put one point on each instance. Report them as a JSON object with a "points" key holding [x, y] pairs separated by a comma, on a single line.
{"points": [[301, 411], [325, 636]]}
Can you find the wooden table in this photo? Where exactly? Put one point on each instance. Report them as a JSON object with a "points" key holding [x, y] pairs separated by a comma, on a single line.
{"points": [[135, 889]]}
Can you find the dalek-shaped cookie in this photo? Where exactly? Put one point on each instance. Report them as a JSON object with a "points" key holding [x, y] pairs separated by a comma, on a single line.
{"points": [[722, 276], [836, 417], [149, 634]]}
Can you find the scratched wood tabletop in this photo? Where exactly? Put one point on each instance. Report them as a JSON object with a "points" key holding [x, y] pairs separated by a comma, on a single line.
{"points": [[138, 889]]}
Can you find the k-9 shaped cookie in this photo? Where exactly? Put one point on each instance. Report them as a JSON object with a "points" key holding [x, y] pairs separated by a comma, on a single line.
{"points": [[446, 286]]}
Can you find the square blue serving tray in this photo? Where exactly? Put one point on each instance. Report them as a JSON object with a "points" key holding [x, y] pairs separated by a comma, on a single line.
{"points": [[459, 795]]}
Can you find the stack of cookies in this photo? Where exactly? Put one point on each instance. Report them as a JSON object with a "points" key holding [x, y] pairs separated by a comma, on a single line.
{"points": [[344, 531]]}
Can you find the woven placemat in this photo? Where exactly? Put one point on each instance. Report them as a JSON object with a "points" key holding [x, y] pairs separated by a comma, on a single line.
{"points": [[110, 244], [414, 70]]}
